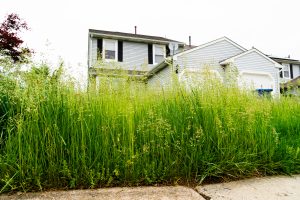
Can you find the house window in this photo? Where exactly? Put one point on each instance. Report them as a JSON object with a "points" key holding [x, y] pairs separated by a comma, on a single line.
{"points": [[286, 70], [110, 49], [159, 53]]}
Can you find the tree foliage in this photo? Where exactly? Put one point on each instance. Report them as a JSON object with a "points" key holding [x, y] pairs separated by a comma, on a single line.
{"points": [[10, 41]]}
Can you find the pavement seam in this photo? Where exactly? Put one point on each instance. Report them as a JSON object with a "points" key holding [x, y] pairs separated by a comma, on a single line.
{"points": [[202, 194]]}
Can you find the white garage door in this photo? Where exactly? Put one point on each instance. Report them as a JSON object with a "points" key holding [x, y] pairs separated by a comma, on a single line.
{"points": [[257, 80]]}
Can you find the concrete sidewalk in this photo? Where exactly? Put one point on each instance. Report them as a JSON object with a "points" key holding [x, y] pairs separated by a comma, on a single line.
{"points": [[280, 187], [273, 188], [135, 193]]}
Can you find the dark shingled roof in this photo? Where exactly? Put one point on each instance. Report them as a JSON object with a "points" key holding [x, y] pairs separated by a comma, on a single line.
{"points": [[284, 60], [131, 35]]}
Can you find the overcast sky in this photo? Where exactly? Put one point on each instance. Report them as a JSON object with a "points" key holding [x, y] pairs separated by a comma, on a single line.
{"points": [[60, 27]]}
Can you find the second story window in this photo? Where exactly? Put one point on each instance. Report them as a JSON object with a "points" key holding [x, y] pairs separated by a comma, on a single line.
{"points": [[159, 53], [110, 49], [286, 70]]}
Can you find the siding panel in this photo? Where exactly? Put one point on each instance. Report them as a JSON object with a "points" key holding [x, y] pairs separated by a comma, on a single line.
{"points": [[135, 55], [161, 80], [208, 56]]}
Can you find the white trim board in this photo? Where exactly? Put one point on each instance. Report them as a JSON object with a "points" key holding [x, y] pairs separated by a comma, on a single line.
{"points": [[231, 60], [208, 44]]}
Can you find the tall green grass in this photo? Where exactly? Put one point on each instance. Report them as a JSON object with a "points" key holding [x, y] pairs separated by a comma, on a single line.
{"points": [[54, 136]]}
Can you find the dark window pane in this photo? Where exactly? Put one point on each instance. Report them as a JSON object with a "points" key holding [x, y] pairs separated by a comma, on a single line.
{"points": [[150, 54], [109, 54], [120, 51], [280, 73], [168, 51], [99, 49]]}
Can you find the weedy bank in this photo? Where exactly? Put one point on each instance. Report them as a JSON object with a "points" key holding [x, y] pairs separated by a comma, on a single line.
{"points": [[54, 136]]}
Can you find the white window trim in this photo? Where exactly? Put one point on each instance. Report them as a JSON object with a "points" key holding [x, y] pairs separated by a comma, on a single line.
{"points": [[153, 56], [288, 69], [116, 50]]}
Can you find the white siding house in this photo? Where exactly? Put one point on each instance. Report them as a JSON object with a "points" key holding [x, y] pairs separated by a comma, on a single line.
{"points": [[147, 58], [127, 55], [256, 70], [127, 51]]}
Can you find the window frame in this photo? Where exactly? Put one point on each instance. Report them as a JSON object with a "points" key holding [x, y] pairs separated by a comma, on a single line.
{"points": [[104, 48], [286, 66], [154, 52]]}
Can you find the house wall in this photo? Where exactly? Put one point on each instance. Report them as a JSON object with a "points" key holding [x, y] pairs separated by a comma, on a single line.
{"points": [[135, 56], [208, 56], [163, 79], [256, 62], [295, 68]]}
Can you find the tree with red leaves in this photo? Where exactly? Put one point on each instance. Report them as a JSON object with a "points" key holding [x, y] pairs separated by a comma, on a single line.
{"points": [[10, 41]]}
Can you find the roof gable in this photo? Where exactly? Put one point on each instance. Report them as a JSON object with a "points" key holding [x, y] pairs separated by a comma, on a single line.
{"points": [[232, 59], [210, 43]]}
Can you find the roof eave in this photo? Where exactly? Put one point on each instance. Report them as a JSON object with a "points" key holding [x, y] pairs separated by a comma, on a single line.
{"points": [[226, 62], [135, 39], [285, 60], [156, 69]]}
